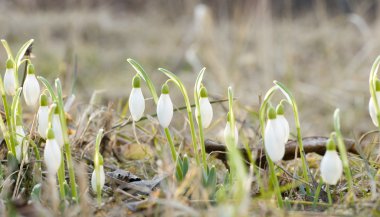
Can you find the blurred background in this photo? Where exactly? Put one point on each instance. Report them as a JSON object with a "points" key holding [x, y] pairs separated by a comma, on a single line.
{"points": [[322, 49]]}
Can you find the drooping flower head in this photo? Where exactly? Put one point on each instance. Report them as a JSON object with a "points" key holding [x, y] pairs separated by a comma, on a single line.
{"points": [[136, 100], [31, 88], [102, 176], [52, 153], [283, 122], [57, 127], [371, 106], [164, 107], [331, 164], [205, 108], [10, 78], [228, 132], [43, 116], [21, 146], [274, 137]]}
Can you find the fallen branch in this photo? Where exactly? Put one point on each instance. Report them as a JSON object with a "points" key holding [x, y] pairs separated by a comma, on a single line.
{"points": [[315, 144]]}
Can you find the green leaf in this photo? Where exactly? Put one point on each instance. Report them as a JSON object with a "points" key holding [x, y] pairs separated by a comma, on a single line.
{"points": [[21, 52], [185, 165], [48, 87], [211, 179], [7, 49], [139, 69], [36, 192]]}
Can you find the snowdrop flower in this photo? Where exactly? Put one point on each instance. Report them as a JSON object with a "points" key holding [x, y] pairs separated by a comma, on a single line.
{"points": [[274, 137], [227, 131], [57, 127], [164, 107], [205, 108], [371, 106], [31, 88], [21, 147], [136, 100], [101, 180], [331, 165], [284, 123], [10, 78], [52, 153], [43, 116]]}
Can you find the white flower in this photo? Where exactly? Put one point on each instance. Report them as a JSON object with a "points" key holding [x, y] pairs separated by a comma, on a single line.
{"points": [[372, 109], [43, 116], [331, 167], [31, 88], [274, 137], [283, 122], [101, 181], [205, 108], [164, 107], [10, 79], [52, 153], [136, 100], [20, 136], [228, 133], [57, 128]]}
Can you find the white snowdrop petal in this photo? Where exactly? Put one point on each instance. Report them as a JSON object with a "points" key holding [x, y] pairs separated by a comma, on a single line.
{"points": [[372, 108], [331, 167], [206, 111], [43, 120], [285, 127], [31, 90], [136, 104], [20, 134], [52, 156], [164, 110], [57, 128], [227, 133], [274, 144], [102, 179], [10, 82]]}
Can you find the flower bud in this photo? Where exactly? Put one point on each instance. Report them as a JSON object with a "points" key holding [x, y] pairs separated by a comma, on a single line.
{"points": [[101, 180], [164, 107], [283, 122], [331, 165], [371, 106], [52, 153], [57, 127], [136, 100], [31, 88], [228, 132], [274, 137], [205, 108], [43, 116], [10, 79], [21, 147]]}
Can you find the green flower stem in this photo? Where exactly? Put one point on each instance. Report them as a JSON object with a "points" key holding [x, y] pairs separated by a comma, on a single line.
{"points": [[69, 161], [197, 88], [273, 177], [8, 136], [291, 100], [342, 150], [97, 159], [12, 118], [171, 144], [61, 170], [235, 160], [182, 88]]}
